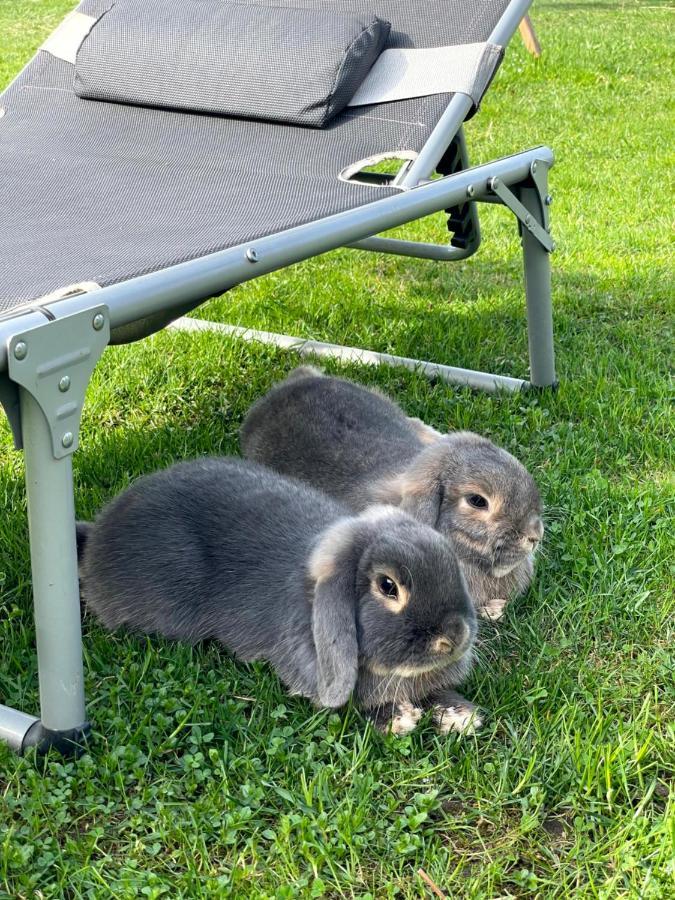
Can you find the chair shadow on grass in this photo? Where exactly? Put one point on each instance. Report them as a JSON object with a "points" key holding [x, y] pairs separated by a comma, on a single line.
{"points": [[470, 315], [588, 309]]}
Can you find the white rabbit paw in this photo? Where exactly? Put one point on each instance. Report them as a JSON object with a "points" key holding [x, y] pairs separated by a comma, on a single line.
{"points": [[404, 720], [460, 718], [493, 609]]}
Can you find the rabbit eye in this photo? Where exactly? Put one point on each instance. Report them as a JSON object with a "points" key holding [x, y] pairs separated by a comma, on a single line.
{"points": [[392, 595], [387, 586], [477, 501]]}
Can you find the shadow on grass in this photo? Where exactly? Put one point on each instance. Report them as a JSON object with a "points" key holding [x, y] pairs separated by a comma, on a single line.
{"points": [[471, 315], [599, 441]]}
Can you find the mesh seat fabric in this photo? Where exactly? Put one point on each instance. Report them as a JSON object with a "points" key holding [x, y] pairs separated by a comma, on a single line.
{"points": [[99, 191]]}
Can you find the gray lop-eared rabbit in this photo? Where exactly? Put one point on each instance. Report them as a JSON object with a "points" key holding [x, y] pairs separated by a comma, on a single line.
{"points": [[373, 604], [360, 447]]}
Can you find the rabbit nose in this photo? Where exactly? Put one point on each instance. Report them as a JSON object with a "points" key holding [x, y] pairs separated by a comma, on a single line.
{"points": [[441, 645], [456, 636], [535, 531]]}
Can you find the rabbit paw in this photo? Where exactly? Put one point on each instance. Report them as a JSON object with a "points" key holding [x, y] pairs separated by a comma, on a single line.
{"points": [[462, 718], [493, 609], [405, 719]]}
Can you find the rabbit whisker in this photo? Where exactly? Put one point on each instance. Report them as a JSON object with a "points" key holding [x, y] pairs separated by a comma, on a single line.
{"points": [[381, 691]]}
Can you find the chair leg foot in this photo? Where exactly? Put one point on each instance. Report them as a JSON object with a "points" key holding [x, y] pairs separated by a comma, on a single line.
{"points": [[70, 742]]}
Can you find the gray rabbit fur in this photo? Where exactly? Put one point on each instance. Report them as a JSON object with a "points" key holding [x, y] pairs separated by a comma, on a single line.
{"points": [[360, 447], [373, 604]]}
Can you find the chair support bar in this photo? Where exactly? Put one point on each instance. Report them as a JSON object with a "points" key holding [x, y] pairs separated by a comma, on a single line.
{"points": [[418, 249], [526, 219], [303, 347], [14, 726]]}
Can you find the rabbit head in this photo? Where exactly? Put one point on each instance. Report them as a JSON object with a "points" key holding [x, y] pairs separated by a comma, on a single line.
{"points": [[388, 596], [476, 494]]}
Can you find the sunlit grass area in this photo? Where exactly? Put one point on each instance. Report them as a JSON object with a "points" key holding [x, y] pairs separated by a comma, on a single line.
{"points": [[203, 778]]}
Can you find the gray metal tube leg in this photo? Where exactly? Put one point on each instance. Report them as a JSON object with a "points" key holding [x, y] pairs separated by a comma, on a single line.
{"points": [[51, 520], [538, 294]]}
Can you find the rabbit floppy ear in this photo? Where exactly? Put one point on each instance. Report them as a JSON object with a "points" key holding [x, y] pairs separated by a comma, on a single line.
{"points": [[421, 498], [417, 491], [334, 630], [334, 616], [425, 433]]}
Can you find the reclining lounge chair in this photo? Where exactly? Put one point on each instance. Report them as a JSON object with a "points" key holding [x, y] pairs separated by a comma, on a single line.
{"points": [[156, 153]]}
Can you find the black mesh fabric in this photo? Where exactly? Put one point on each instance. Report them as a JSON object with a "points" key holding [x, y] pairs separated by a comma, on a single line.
{"points": [[98, 191], [282, 64]]}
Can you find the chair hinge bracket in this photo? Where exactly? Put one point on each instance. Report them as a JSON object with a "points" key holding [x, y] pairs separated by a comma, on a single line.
{"points": [[54, 362], [539, 230]]}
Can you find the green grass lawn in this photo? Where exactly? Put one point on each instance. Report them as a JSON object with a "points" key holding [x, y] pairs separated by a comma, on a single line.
{"points": [[203, 778]]}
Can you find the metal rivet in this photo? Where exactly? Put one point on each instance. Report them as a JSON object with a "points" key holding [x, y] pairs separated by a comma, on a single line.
{"points": [[493, 183], [64, 384], [528, 220], [548, 199], [98, 321], [533, 167], [67, 439], [252, 255], [20, 350], [470, 191]]}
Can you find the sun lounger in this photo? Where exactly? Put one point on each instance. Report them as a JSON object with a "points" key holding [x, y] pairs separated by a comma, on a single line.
{"points": [[155, 154]]}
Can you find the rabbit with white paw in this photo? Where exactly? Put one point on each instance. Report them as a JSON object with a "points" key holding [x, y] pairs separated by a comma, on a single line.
{"points": [[373, 604], [359, 446]]}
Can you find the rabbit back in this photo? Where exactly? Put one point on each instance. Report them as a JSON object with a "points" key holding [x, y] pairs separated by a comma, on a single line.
{"points": [[212, 548], [334, 434]]}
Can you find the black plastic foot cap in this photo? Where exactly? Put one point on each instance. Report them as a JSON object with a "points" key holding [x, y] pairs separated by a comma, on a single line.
{"points": [[71, 742], [541, 388]]}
